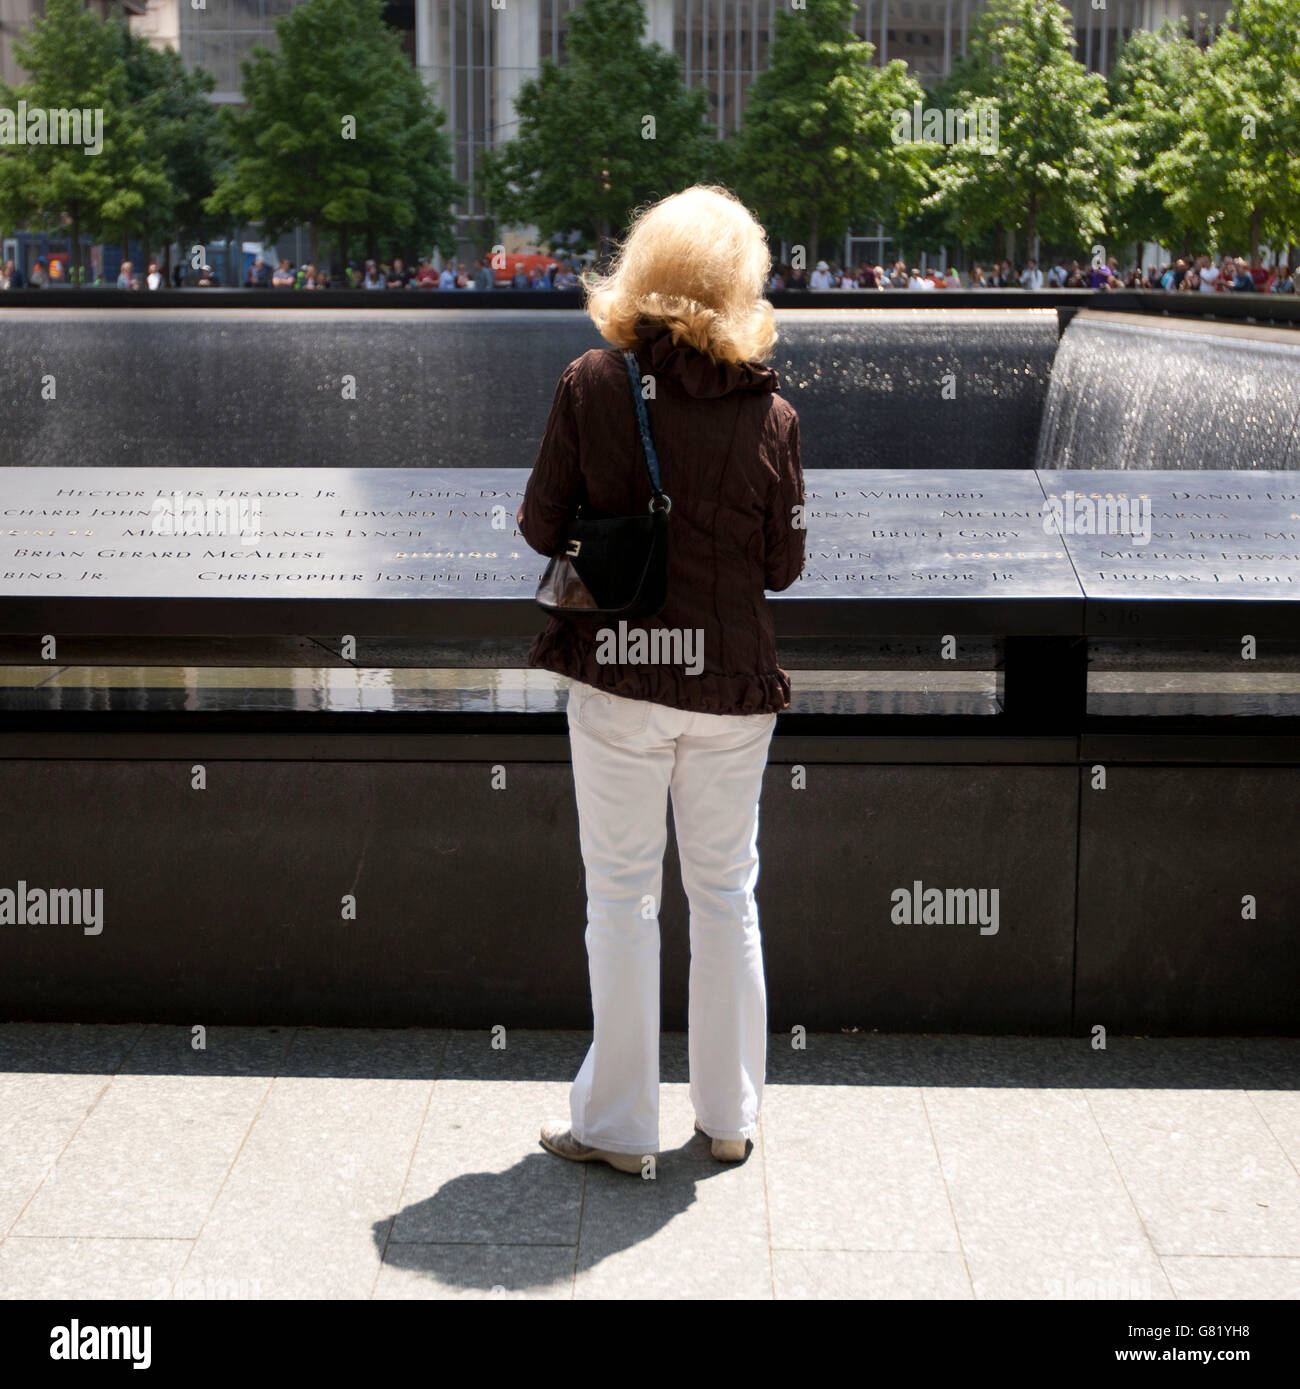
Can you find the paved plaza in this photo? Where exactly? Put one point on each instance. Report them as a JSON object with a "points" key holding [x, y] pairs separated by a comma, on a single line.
{"points": [[288, 1162]]}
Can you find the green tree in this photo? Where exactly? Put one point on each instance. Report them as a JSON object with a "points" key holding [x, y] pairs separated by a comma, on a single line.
{"points": [[1149, 86], [928, 226], [1234, 173], [415, 174], [75, 62], [340, 133], [1058, 161], [815, 151], [183, 132], [611, 129]]}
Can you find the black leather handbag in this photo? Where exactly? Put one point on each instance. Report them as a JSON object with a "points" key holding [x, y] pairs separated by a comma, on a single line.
{"points": [[614, 566]]}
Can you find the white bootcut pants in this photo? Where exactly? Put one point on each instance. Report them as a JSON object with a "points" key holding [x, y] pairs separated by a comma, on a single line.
{"points": [[628, 755]]}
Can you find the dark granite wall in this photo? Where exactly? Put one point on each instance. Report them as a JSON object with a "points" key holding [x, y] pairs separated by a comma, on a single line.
{"points": [[875, 388], [224, 905]]}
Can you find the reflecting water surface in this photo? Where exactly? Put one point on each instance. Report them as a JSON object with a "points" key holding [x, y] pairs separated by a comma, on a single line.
{"points": [[203, 689]]}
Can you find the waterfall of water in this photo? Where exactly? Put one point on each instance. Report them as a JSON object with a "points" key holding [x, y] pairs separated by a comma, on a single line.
{"points": [[1138, 392]]}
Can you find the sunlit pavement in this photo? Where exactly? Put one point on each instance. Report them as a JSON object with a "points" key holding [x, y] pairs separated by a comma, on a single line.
{"points": [[286, 1162]]}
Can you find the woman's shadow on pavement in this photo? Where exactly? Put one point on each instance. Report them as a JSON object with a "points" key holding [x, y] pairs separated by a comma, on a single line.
{"points": [[517, 1231]]}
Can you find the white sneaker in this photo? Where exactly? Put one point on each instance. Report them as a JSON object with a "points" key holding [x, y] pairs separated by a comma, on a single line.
{"points": [[726, 1149], [557, 1137]]}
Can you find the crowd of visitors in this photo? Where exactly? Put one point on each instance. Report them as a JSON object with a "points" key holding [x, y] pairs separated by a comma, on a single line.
{"points": [[457, 274], [1200, 273], [394, 274]]}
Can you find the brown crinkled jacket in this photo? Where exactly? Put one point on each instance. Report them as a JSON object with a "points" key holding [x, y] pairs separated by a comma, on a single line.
{"points": [[728, 448]]}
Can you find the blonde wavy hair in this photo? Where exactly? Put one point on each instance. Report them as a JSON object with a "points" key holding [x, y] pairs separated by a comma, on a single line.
{"points": [[697, 261]]}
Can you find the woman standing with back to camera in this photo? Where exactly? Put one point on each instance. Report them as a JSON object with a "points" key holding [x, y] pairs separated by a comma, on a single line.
{"points": [[686, 292]]}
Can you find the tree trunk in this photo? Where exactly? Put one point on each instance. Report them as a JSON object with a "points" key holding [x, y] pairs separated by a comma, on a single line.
{"points": [[814, 239], [315, 244], [345, 236], [1254, 235]]}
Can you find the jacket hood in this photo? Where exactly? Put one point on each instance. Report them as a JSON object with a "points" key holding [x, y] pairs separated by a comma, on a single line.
{"points": [[697, 374]]}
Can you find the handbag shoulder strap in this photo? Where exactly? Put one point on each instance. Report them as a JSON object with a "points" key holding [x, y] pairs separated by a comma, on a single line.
{"points": [[643, 422]]}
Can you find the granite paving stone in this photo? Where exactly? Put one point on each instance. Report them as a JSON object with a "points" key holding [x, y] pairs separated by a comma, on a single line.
{"points": [[404, 1164]]}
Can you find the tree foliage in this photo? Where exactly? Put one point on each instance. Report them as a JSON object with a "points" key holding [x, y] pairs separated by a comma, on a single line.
{"points": [[1149, 85], [815, 151], [1179, 145], [613, 128], [339, 132], [1059, 160], [74, 62], [183, 132], [1234, 175]]}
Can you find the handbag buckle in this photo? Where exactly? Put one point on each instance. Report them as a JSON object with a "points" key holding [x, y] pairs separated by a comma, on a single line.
{"points": [[665, 499], [573, 547]]}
